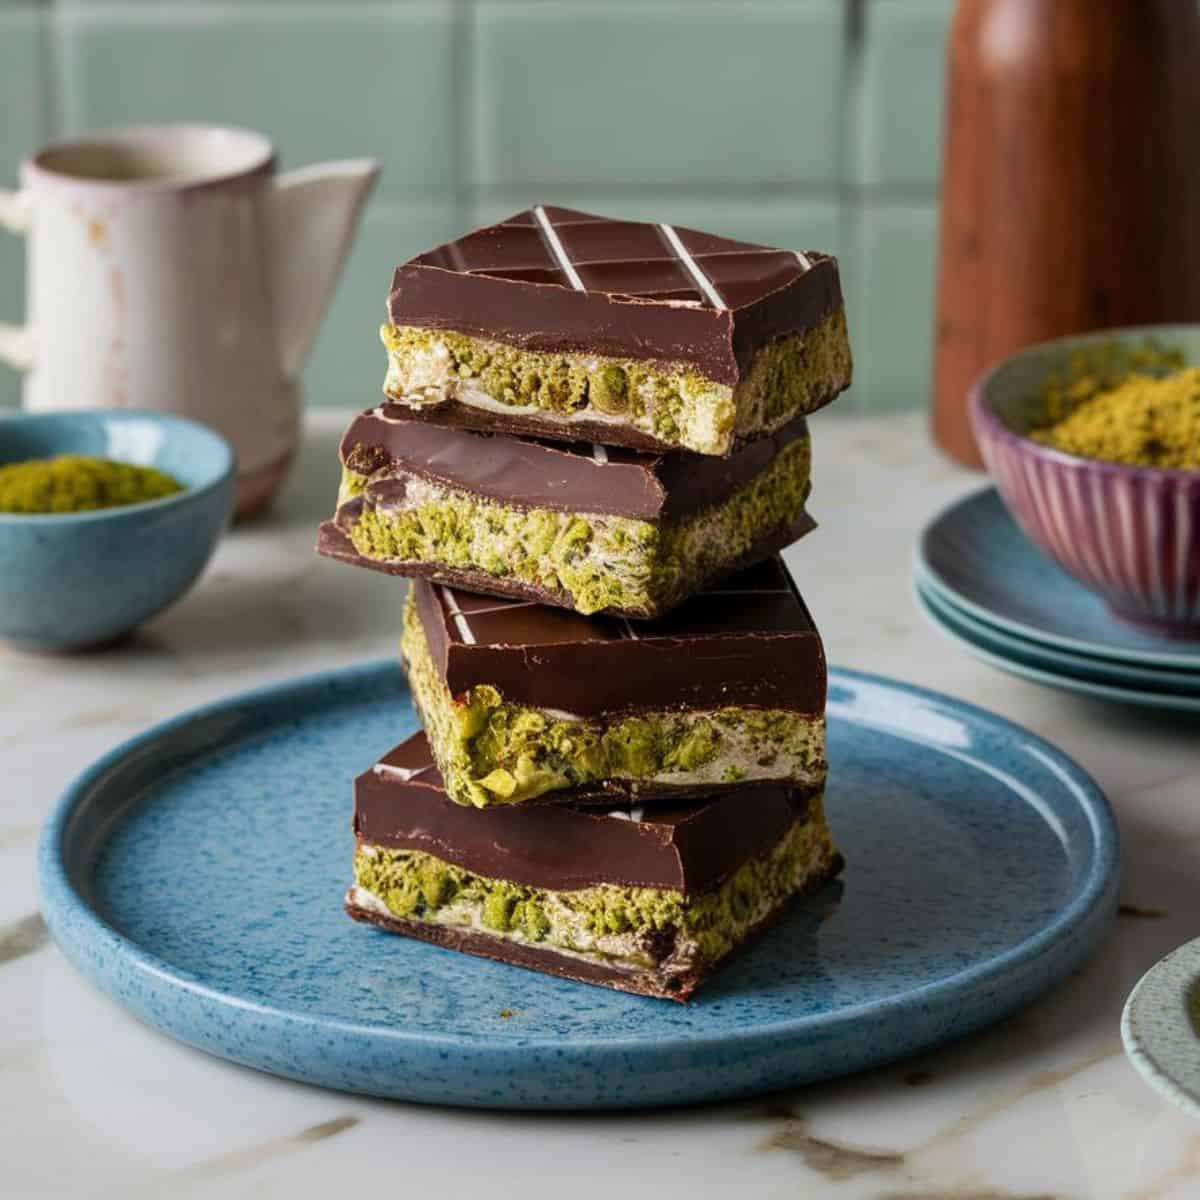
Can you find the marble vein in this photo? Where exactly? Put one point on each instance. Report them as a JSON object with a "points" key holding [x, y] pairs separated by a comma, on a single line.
{"points": [[16, 835], [1007, 1099], [250, 1157], [22, 937], [969, 1194], [835, 1160]]}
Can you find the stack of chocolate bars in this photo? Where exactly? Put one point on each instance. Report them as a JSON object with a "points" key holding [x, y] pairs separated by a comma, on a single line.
{"points": [[592, 448]]}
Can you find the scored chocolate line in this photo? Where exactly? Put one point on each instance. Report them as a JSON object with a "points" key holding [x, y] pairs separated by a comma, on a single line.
{"points": [[550, 234], [693, 268], [505, 607], [460, 620], [633, 814], [468, 636], [404, 774], [463, 625], [559, 251]]}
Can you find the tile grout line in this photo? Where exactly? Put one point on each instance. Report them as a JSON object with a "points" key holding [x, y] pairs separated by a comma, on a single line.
{"points": [[50, 112], [851, 227], [215, 13], [462, 53], [65, 101], [914, 194], [761, 190]]}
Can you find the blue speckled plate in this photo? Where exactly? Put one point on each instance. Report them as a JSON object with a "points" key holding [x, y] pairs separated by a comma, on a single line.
{"points": [[196, 875], [1103, 679], [974, 556], [1161, 1027]]}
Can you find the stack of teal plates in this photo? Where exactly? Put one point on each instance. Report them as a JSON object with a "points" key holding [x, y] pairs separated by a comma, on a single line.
{"points": [[985, 585]]}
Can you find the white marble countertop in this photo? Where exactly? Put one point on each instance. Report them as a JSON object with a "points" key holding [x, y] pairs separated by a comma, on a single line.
{"points": [[1042, 1107]]}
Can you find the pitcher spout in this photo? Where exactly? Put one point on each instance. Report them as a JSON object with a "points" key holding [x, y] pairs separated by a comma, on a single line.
{"points": [[312, 216]]}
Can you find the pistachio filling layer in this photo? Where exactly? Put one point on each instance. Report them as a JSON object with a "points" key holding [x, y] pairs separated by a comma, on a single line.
{"points": [[671, 402], [787, 380], [639, 927], [600, 562], [490, 751]]}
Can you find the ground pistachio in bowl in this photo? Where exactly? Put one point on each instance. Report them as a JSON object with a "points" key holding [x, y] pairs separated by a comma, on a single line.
{"points": [[1137, 405], [107, 516], [1093, 441], [73, 483]]}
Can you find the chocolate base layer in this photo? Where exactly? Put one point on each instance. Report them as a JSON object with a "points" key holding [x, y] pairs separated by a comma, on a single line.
{"points": [[333, 542], [647, 982], [468, 416]]}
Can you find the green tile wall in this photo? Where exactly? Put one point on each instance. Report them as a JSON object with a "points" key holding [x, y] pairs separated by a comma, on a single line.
{"points": [[810, 123], [331, 81], [687, 94], [900, 96], [889, 289]]}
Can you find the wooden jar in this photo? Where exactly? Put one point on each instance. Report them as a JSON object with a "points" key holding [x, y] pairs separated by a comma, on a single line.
{"points": [[1071, 181]]}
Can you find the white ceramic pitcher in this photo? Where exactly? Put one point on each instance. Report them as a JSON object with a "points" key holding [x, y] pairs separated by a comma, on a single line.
{"points": [[170, 268]]}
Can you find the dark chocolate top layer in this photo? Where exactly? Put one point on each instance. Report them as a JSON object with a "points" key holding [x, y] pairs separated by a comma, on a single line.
{"points": [[566, 476], [560, 280], [400, 804], [748, 641]]}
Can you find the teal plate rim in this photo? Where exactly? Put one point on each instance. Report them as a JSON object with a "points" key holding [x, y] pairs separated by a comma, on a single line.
{"points": [[1188, 661], [1059, 679], [1161, 1037], [543, 1072], [1054, 659]]}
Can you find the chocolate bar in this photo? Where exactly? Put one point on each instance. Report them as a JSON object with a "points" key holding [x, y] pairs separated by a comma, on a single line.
{"points": [[575, 525], [645, 900], [572, 326], [523, 702]]}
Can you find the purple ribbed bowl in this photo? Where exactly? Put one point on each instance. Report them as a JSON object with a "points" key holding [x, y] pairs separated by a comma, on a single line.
{"points": [[1131, 534]]}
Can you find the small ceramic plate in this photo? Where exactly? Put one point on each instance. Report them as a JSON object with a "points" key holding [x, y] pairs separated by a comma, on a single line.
{"points": [[975, 557], [1049, 658], [1161, 1027], [1028, 660], [196, 875]]}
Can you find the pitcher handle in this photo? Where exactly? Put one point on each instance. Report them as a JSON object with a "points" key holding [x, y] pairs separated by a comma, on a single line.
{"points": [[16, 341], [312, 218]]}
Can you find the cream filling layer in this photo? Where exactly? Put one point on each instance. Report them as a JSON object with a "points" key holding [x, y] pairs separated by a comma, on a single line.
{"points": [[784, 379], [427, 380], [599, 554], [741, 758], [577, 941]]}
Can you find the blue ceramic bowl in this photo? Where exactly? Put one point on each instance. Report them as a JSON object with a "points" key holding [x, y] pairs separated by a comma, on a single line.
{"points": [[70, 581], [1132, 534]]}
